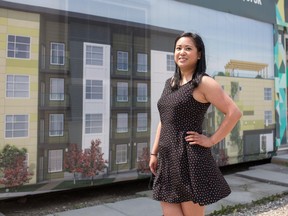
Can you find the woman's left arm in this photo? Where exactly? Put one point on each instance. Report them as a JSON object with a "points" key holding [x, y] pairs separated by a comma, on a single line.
{"points": [[212, 92]]}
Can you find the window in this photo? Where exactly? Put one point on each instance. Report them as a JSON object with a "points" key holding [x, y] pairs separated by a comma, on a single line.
{"points": [[263, 143], [140, 149], [122, 91], [268, 117], [141, 62], [93, 123], [267, 94], [17, 86], [57, 53], [94, 55], [56, 89], [121, 153], [55, 160], [122, 122], [141, 122], [170, 63], [141, 92], [56, 124], [122, 61], [16, 126], [94, 89], [18, 47]]}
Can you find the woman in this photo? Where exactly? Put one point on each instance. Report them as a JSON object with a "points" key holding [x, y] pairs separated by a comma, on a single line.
{"points": [[187, 177]]}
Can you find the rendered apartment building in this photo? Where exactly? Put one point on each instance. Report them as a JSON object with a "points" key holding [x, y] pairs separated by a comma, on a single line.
{"points": [[72, 72]]}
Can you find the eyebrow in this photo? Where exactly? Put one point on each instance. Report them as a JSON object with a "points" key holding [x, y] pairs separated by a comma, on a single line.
{"points": [[184, 45]]}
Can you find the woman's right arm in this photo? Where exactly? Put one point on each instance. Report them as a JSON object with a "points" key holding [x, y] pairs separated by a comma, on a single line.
{"points": [[154, 151]]}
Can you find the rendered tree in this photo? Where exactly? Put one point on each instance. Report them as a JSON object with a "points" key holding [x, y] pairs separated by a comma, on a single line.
{"points": [[93, 161], [73, 160], [143, 161], [13, 168]]}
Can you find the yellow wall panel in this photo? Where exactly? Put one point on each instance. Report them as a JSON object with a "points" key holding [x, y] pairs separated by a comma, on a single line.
{"points": [[2, 62], [3, 29], [35, 42], [34, 88], [3, 38], [3, 46], [22, 23], [21, 64], [23, 15], [3, 18], [12, 30], [21, 70], [34, 118], [3, 12]]}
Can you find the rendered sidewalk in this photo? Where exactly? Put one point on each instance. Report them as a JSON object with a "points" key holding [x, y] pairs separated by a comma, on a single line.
{"points": [[254, 184]]}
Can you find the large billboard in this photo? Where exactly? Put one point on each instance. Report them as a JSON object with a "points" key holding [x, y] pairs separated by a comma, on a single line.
{"points": [[81, 79]]}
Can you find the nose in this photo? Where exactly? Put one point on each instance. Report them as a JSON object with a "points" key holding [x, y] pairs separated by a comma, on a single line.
{"points": [[182, 51]]}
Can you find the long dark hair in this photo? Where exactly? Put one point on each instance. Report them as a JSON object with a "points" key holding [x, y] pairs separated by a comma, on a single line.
{"points": [[201, 64]]}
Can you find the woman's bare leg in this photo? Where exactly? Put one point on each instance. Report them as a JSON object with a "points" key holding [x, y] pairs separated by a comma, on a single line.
{"points": [[171, 209], [192, 209]]}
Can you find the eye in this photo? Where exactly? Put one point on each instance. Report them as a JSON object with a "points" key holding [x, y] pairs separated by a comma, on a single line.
{"points": [[188, 48], [178, 48]]}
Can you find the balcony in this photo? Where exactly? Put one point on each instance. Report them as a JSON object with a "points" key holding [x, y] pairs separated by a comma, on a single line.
{"points": [[54, 101]]}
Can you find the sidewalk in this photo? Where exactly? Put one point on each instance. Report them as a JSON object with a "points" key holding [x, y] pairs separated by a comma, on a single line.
{"points": [[247, 186]]}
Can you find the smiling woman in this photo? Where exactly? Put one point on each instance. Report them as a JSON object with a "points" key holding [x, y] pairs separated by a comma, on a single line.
{"points": [[187, 177]]}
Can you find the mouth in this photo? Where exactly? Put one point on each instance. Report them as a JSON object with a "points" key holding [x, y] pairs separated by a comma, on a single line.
{"points": [[182, 59]]}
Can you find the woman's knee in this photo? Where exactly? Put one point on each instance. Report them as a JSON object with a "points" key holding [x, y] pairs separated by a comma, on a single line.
{"points": [[192, 209], [171, 209]]}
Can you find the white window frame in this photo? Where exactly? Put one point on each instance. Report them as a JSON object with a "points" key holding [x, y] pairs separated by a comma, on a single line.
{"points": [[268, 117], [170, 63], [94, 89], [142, 122], [13, 124], [122, 61], [93, 123], [142, 92], [267, 94], [17, 86], [94, 55], [263, 143], [57, 53], [121, 153], [122, 92], [16, 47], [55, 160], [142, 62], [56, 125], [57, 89], [122, 123]]}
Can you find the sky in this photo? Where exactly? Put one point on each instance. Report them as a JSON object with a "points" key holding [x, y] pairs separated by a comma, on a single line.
{"points": [[226, 36]]}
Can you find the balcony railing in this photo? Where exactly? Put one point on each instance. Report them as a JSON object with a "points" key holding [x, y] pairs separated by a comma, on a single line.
{"points": [[54, 100]]}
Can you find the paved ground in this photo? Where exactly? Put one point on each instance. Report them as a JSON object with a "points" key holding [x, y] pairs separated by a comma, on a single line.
{"points": [[247, 186]]}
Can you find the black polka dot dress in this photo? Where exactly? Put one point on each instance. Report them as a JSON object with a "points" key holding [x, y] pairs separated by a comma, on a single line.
{"points": [[185, 172]]}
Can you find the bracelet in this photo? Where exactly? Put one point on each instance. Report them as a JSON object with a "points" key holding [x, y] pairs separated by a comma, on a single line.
{"points": [[154, 154]]}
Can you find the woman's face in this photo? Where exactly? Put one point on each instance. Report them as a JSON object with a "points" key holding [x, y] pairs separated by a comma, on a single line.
{"points": [[186, 54]]}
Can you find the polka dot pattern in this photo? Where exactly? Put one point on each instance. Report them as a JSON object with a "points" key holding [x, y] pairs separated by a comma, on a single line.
{"points": [[185, 172]]}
